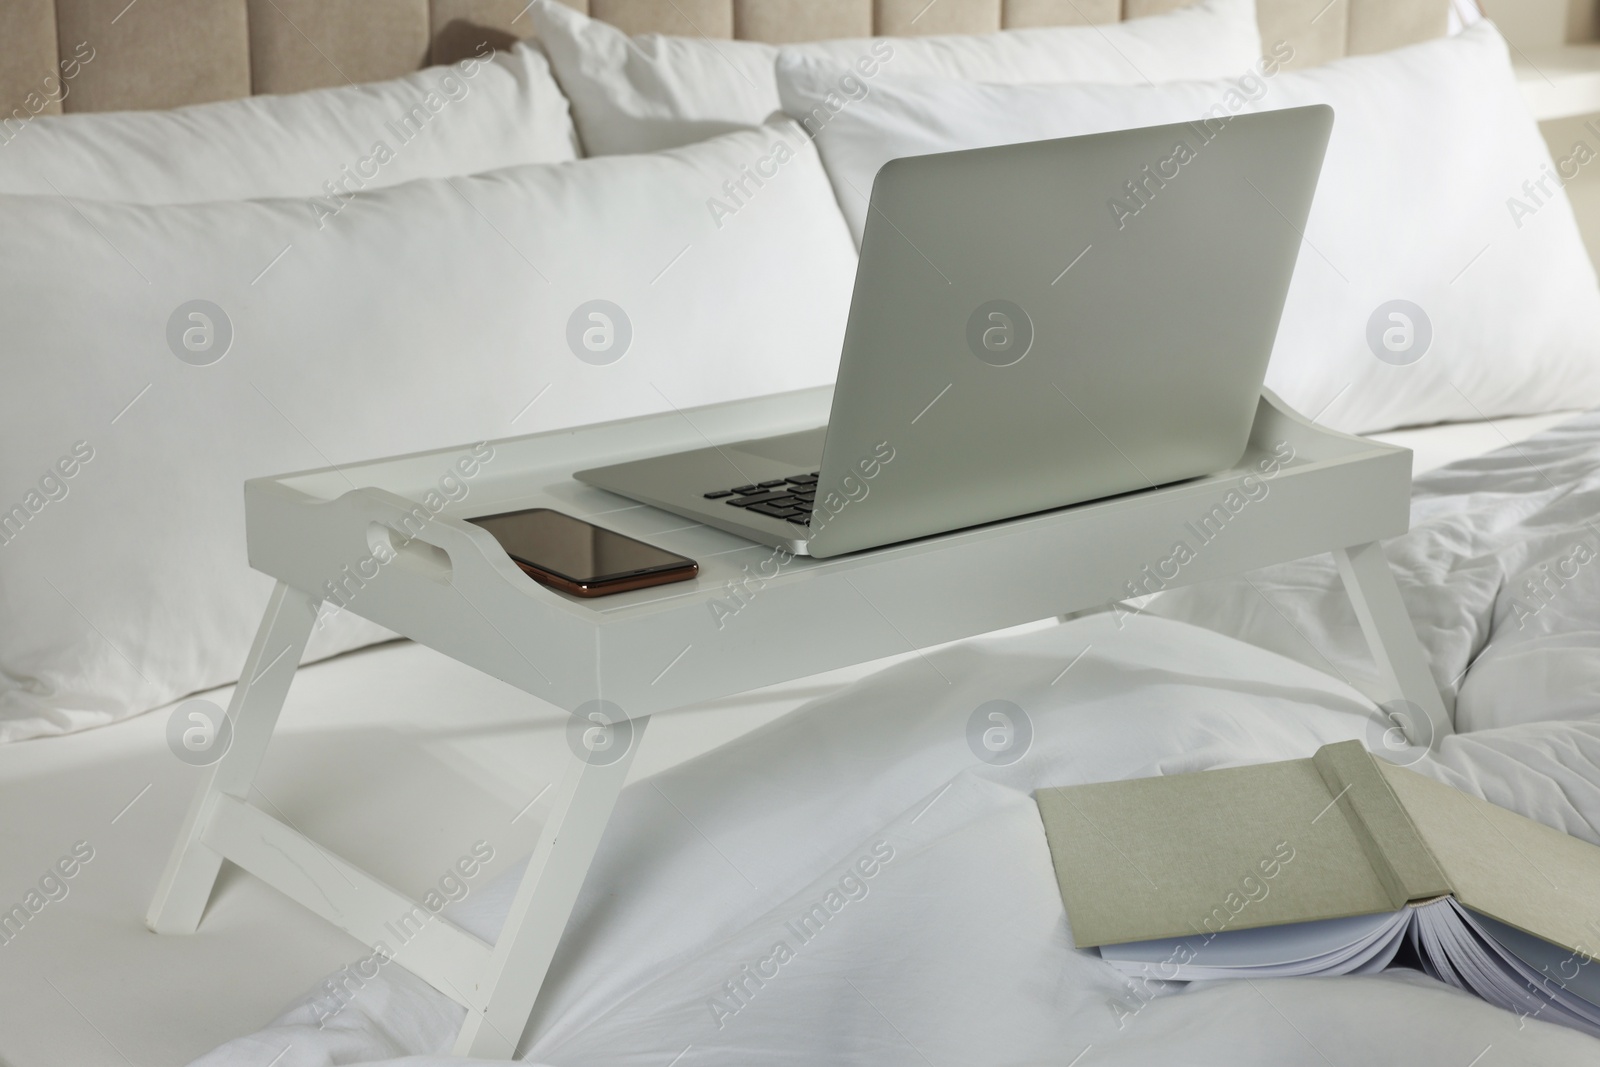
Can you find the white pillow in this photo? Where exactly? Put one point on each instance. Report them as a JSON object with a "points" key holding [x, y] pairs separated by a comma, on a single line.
{"points": [[640, 94], [425, 315], [1418, 203], [486, 112]]}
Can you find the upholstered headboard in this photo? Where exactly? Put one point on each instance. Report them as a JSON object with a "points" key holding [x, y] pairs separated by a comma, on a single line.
{"points": [[162, 53]]}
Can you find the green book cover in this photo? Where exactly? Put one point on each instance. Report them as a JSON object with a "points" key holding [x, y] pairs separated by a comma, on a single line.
{"points": [[1340, 834]]}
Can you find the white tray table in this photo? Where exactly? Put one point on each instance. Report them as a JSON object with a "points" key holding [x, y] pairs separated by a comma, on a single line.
{"points": [[452, 588]]}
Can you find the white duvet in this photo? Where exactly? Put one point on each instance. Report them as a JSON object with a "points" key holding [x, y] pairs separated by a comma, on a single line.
{"points": [[687, 948], [1500, 572]]}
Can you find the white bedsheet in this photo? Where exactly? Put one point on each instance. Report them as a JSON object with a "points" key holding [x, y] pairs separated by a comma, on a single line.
{"points": [[1434, 446], [957, 951], [1500, 572]]}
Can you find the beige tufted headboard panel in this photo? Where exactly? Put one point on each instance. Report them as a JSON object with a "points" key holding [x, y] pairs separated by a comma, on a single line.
{"points": [[162, 53]]}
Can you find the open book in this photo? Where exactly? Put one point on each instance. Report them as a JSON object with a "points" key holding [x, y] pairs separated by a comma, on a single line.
{"points": [[1325, 866]]}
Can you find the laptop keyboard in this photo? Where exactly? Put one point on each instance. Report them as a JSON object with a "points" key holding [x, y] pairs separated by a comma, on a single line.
{"points": [[781, 498]]}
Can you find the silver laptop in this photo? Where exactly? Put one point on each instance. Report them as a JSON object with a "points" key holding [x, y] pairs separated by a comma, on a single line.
{"points": [[1033, 326]]}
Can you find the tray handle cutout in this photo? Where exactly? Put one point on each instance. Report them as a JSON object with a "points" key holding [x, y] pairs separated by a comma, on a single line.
{"points": [[408, 550]]}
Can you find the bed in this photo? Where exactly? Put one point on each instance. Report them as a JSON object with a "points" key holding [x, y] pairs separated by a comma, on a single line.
{"points": [[402, 760], [746, 813]]}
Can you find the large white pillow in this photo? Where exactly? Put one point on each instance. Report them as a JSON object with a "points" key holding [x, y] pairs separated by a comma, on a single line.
{"points": [[1433, 286], [489, 111], [428, 314], [640, 94]]}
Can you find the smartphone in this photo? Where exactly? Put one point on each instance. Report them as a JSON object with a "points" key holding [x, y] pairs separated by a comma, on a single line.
{"points": [[582, 559]]}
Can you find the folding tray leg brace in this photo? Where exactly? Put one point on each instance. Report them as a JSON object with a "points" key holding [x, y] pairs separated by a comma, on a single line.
{"points": [[185, 885], [499, 995], [1393, 640]]}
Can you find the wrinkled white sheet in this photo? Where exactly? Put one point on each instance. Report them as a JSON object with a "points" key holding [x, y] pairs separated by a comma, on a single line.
{"points": [[1500, 571], [956, 950]]}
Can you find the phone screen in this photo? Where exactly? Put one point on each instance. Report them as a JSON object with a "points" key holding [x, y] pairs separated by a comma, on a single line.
{"points": [[573, 549]]}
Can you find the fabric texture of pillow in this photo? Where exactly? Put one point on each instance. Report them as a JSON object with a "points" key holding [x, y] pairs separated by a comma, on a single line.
{"points": [[431, 313], [486, 112], [641, 94], [1442, 278]]}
